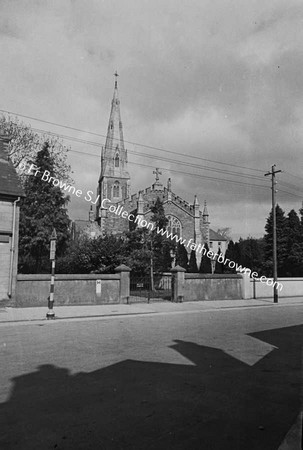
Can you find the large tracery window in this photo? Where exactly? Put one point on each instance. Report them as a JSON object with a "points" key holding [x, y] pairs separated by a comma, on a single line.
{"points": [[174, 226], [116, 189]]}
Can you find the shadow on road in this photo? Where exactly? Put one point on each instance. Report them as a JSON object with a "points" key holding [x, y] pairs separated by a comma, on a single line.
{"points": [[219, 403]]}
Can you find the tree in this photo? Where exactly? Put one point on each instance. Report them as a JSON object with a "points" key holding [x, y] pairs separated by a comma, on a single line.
{"points": [[301, 219], [43, 209], [161, 246], [281, 223], [165, 258], [192, 265], [26, 143], [231, 255], [181, 256], [219, 265], [251, 254], [293, 263], [158, 217], [205, 265], [100, 255]]}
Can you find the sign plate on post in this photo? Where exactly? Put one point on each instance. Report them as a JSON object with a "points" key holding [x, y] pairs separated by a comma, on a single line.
{"points": [[98, 288], [52, 249]]}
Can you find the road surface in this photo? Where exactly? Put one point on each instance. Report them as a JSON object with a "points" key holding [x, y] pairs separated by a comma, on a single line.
{"points": [[221, 379]]}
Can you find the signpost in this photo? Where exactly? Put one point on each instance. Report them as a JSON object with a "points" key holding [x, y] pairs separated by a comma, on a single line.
{"points": [[50, 313]]}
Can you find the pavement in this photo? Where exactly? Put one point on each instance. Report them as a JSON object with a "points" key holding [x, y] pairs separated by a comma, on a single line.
{"points": [[38, 314]]}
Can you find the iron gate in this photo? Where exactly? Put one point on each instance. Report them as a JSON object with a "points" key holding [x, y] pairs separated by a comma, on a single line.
{"points": [[141, 289]]}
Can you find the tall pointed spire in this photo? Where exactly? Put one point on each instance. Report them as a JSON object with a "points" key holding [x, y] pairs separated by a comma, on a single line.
{"points": [[114, 180], [114, 145], [205, 211]]}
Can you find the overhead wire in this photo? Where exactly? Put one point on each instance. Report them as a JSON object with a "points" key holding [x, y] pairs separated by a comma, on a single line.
{"points": [[161, 158], [173, 162], [131, 142], [213, 169]]}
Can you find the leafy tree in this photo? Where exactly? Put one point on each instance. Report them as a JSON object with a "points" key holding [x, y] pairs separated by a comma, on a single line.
{"points": [[138, 251], [219, 265], [161, 246], [293, 263], [301, 219], [231, 255], [237, 251], [165, 258], [251, 254], [192, 265], [181, 256], [99, 255], [26, 143], [158, 217], [205, 265], [43, 209], [281, 223]]}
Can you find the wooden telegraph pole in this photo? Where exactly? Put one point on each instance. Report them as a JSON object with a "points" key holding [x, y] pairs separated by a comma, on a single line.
{"points": [[274, 227], [50, 313]]}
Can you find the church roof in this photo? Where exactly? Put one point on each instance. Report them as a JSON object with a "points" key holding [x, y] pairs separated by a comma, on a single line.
{"points": [[214, 236], [9, 180]]}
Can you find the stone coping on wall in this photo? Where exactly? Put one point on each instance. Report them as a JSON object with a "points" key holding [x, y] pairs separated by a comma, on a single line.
{"points": [[258, 280], [64, 277], [192, 276]]}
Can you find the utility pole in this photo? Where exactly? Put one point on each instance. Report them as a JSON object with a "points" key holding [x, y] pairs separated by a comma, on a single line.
{"points": [[274, 226]]}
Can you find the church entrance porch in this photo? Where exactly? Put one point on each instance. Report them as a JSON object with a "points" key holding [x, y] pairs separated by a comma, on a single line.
{"points": [[141, 288]]}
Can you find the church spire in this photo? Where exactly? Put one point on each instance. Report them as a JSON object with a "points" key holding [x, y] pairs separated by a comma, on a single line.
{"points": [[205, 211], [114, 138], [114, 155], [114, 180]]}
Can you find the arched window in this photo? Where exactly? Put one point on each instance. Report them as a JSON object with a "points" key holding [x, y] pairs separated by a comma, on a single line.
{"points": [[116, 189], [117, 161], [174, 226]]}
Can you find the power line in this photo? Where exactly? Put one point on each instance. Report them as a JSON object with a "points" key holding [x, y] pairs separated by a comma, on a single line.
{"points": [[205, 176], [188, 173], [290, 193], [291, 186], [161, 158], [131, 142], [293, 175]]}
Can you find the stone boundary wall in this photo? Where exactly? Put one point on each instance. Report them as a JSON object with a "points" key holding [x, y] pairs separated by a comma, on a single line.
{"points": [[196, 286], [74, 289], [292, 287], [212, 287]]}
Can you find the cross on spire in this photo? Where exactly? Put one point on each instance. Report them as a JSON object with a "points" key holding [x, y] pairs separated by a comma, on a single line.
{"points": [[116, 78], [157, 172]]}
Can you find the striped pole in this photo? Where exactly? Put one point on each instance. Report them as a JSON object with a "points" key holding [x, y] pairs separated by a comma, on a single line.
{"points": [[50, 313]]}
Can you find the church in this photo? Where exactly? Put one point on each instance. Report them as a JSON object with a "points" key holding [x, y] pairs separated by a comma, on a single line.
{"points": [[184, 219]]}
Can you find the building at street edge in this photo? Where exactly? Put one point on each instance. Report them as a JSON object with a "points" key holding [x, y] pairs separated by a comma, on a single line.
{"points": [[10, 194]]}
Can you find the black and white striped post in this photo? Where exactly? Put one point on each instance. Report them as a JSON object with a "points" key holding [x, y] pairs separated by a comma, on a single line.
{"points": [[50, 313]]}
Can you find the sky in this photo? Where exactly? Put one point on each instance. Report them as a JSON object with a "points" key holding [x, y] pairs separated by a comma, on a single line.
{"points": [[216, 83]]}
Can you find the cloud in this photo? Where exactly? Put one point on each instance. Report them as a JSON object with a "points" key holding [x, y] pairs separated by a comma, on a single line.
{"points": [[217, 80]]}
